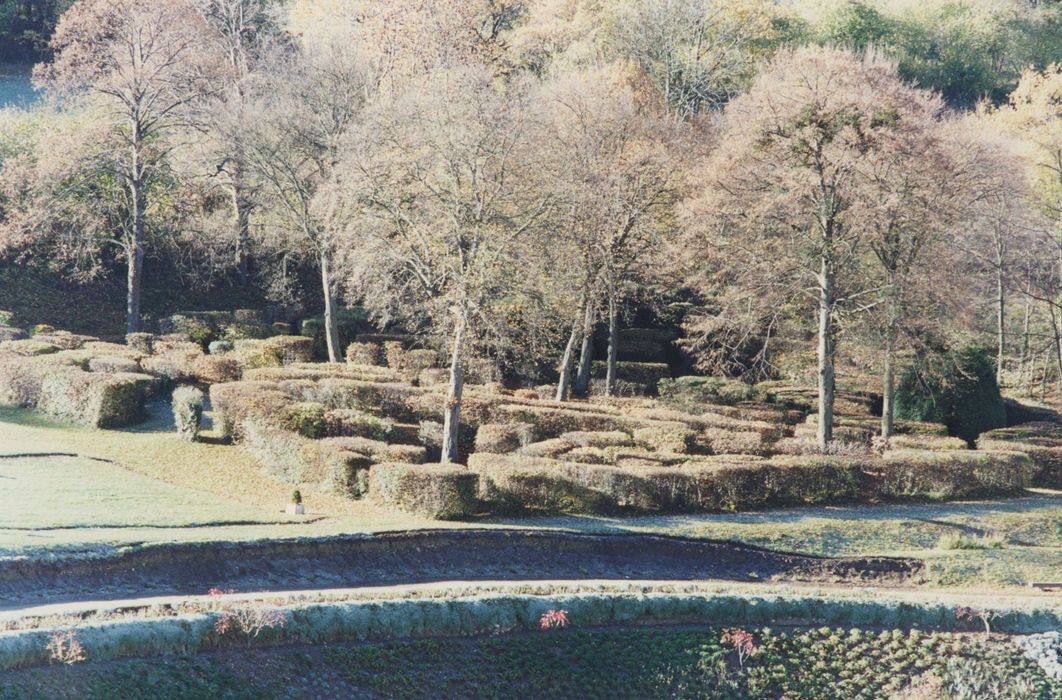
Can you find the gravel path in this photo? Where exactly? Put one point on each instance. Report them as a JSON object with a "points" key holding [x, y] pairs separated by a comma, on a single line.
{"points": [[422, 556]]}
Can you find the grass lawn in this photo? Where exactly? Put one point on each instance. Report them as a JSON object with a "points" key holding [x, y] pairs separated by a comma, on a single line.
{"points": [[999, 543], [604, 663], [161, 489], [153, 487]]}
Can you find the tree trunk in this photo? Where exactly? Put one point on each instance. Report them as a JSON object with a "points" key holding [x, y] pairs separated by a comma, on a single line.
{"points": [[613, 345], [581, 385], [330, 320], [1023, 357], [565, 368], [242, 217], [888, 386], [826, 356], [135, 255], [1001, 336], [888, 379], [1058, 344], [135, 248], [452, 415]]}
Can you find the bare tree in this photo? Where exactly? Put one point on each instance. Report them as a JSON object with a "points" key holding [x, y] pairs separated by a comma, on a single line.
{"points": [[242, 29], [441, 203], [617, 181], [786, 198], [312, 100], [149, 65]]}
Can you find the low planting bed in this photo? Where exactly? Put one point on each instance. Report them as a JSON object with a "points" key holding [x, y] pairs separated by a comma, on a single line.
{"points": [[578, 645], [824, 663]]}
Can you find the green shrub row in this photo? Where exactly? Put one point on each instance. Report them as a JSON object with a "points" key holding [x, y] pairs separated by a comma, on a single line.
{"points": [[432, 617], [518, 483], [59, 386], [1042, 441]]}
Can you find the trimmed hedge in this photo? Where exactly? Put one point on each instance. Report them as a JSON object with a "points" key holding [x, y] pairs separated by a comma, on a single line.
{"points": [[28, 347], [1041, 441], [515, 483], [350, 422], [502, 438], [187, 405], [94, 400], [439, 491], [686, 391], [520, 483], [950, 474], [321, 623]]}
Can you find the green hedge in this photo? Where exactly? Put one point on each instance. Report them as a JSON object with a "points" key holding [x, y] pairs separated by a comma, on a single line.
{"points": [[518, 482], [444, 492], [509, 483], [323, 623], [1041, 441]]}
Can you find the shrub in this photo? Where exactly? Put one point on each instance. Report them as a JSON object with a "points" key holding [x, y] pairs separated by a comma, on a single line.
{"points": [[65, 648], [360, 353], [958, 390], [350, 422], [8, 333], [305, 418], [1041, 441], [141, 342], [210, 369], [722, 441], [433, 376], [439, 491], [187, 404], [278, 351], [949, 474], [340, 465], [687, 391], [28, 347], [220, 347], [41, 328], [235, 402], [239, 330], [395, 354], [113, 364], [65, 340], [289, 349], [926, 442], [199, 330], [420, 359], [666, 437], [501, 438], [94, 400], [521, 483], [7, 318]]}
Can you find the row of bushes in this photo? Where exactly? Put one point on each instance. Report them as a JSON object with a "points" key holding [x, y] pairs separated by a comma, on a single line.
{"points": [[515, 483], [1042, 441], [60, 384], [322, 623]]}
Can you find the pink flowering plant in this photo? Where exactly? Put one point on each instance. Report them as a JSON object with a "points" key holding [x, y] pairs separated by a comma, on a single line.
{"points": [[64, 648], [742, 642], [553, 619]]}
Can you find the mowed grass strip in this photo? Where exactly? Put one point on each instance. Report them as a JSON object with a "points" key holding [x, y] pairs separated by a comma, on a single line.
{"points": [[152, 479], [72, 492]]}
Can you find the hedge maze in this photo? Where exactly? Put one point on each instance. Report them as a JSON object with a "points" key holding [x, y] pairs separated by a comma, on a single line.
{"points": [[370, 427]]}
